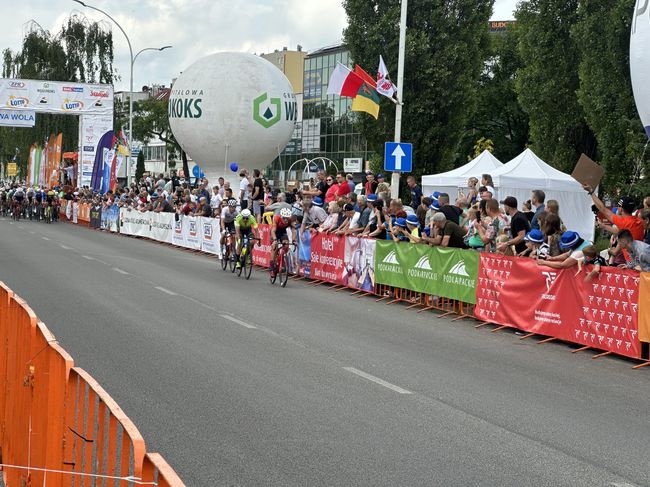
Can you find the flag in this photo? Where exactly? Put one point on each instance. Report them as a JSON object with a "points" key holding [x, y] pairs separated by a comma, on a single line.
{"points": [[344, 82], [384, 85], [367, 100], [359, 71]]}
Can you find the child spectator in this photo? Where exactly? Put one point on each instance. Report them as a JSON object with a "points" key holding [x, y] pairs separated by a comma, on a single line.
{"points": [[534, 240], [591, 257]]}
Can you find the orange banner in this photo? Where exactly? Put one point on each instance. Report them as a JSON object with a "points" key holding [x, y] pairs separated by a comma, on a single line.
{"points": [[644, 307]]}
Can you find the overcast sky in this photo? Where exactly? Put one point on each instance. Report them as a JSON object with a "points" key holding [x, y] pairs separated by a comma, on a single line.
{"points": [[195, 28]]}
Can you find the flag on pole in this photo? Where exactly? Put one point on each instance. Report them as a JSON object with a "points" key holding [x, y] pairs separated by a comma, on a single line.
{"points": [[344, 82], [384, 85], [367, 100], [359, 71]]}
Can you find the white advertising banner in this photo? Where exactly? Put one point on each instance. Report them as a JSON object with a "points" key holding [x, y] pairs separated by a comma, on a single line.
{"points": [[192, 235], [211, 234], [162, 226], [177, 236], [17, 118], [134, 222], [91, 129], [56, 96]]}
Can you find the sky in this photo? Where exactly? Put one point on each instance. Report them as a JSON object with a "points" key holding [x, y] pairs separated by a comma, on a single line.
{"points": [[194, 28]]}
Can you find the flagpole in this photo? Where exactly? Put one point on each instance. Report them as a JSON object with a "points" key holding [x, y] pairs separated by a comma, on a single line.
{"points": [[394, 182]]}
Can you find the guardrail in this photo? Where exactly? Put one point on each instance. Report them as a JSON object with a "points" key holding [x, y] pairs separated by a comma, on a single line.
{"points": [[56, 422]]}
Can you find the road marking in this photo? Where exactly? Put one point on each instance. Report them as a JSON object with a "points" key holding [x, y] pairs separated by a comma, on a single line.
{"points": [[377, 380], [33, 233], [116, 269], [621, 484], [21, 227], [45, 238], [239, 322], [88, 257], [66, 247], [166, 291]]}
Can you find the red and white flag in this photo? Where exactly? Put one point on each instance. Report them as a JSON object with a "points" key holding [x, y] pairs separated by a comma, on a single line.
{"points": [[384, 85], [344, 82]]}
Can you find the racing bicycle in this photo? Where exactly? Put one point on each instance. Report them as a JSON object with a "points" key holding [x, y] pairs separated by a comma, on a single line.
{"points": [[283, 263], [228, 252], [246, 257]]}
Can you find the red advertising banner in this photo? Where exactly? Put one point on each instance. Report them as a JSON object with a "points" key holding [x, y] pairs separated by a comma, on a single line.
{"points": [[602, 314], [262, 251], [644, 307], [327, 258]]}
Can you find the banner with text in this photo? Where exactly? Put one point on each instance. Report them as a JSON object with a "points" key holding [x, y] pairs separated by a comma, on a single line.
{"points": [[360, 263], [327, 253], [210, 235], [133, 222], [111, 218], [602, 314], [162, 226], [262, 251], [446, 272]]}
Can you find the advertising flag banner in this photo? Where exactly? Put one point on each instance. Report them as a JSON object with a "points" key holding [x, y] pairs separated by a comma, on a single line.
{"points": [[96, 216], [457, 273], [360, 263], [192, 235], [644, 307], [601, 313], [111, 218], [178, 235], [262, 251], [304, 253], [327, 253], [162, 226], [211, 234]]}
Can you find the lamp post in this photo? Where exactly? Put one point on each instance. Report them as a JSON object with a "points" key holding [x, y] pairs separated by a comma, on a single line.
{"points": [[128, 41]]}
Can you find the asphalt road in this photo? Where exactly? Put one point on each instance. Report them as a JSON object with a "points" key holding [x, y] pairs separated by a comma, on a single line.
{"points": [[242, 383]]}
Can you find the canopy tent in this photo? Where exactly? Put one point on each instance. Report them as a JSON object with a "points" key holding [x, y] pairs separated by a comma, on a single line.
{"points": [[527, 172], [449, 182]]}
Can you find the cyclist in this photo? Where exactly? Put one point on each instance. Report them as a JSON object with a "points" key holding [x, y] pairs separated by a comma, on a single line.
{"points": [[228, 215], [18, 197], [281, 223], [245, 225]]}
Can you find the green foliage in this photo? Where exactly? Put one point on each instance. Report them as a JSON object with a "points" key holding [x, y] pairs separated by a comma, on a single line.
{"points": [[548, 81], [446, 45], [602, 35], [139, 166], [481, 145]]}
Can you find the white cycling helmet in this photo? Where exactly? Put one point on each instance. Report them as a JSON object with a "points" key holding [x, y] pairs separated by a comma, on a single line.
{"points": [[246, 213], [285, 213]]}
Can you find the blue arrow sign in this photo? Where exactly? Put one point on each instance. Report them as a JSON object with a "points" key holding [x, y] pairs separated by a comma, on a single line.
{"points": [[398, 157]]}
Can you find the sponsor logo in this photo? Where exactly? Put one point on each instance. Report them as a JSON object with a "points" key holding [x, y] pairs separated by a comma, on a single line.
{"points": [[550, 279], [70, 105], [267, 111], [391, 258], [18, 85], [17, 101], [192, 228], [98, 93], [18, 117], [459, 269], [88, 148], [423, 263], [185, 104], [45, 88], [207, 231], [73, 89]]}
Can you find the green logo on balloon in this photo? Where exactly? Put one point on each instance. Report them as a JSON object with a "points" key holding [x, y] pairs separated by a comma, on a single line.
{"points": [[266, 113]]}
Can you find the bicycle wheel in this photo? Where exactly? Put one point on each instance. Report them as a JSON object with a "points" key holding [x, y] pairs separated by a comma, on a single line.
{"points": [[248, 265], [273, 275], [241, 262], [283, 271], [224, 257], [232, 259]]}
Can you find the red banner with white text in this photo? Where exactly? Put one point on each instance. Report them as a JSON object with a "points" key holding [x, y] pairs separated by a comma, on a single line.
{"points": [[327, 258], [602, 313], [262, 251]]}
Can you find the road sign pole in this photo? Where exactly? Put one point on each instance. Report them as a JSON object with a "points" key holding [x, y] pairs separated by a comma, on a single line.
{"points": [[394, 182]]}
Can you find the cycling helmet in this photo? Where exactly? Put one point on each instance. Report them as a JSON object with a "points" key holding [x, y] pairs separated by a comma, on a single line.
{"points": [[232, 203], [285, 213], [246, 213]]}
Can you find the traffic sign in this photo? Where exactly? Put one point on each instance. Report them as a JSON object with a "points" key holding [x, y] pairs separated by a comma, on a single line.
{"points": [[398, 157]]}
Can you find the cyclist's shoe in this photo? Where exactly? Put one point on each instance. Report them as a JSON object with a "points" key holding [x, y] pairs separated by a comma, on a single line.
{"points": [[238, 265]]}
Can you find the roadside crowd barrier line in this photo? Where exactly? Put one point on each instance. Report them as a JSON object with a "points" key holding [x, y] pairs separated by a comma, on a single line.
{"points": [[606, 315], [57, 424]]}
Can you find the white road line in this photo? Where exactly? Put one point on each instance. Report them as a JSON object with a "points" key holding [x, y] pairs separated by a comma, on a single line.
{"points": [[33, 233], [88, 257], [45, 238], [116, 269], [65, 247], [621, 484], [166, 291], [377, 380], [239, 322]]}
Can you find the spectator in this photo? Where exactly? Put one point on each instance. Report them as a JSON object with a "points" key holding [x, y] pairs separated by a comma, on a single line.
{"points": [[258, 195], [533, 240], [347, 214], [472, 191], [331, 222], [537, 198], [243, 189], [492, 226], [370, 187], [350, 180], [591, 257], [313, 214], [421, 211], [381, 181], [360, 218], [519, 225], [203, 190], [638, 251], [472, 236], [215, 200], [486, 180], [222, 182], [280, 202], [645, 218], [434, 207], [527, 209], [552, 229], [161, 204], [485, 193], [343, 188], [571, 244], [377, 221], [625, 221], [398, 230], [203, 208], [330, 192], [553, 207], [452, 213], [416, 192], [447, 233]]}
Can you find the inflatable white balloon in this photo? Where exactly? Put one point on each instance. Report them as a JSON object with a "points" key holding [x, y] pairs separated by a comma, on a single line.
{"points": [[640, 60], [232, 107]]}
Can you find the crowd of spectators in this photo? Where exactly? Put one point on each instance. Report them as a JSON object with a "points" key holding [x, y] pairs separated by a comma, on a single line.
{"points": [[474, 220]]}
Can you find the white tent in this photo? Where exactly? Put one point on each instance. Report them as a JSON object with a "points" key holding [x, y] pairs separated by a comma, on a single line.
{"points": [[449, 182], [527, 172]]}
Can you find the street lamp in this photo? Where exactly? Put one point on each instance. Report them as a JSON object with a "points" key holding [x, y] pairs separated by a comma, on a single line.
{"points": [[128, 41]]}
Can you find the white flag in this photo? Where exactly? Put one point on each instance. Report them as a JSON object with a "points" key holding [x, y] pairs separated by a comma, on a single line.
{"points": [[384, 85]]}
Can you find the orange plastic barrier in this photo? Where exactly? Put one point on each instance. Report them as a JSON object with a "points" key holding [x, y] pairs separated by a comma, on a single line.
{"points": [[84, 212], [57, 425], [644, 307]]}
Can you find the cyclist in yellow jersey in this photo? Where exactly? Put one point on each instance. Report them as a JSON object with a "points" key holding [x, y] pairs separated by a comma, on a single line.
{"points": [[245, 225]]}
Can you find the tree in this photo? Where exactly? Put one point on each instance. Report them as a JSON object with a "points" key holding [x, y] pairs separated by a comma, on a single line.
{"points": [[446, 45], [139, 167], [548, 81], [602, 35]]}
